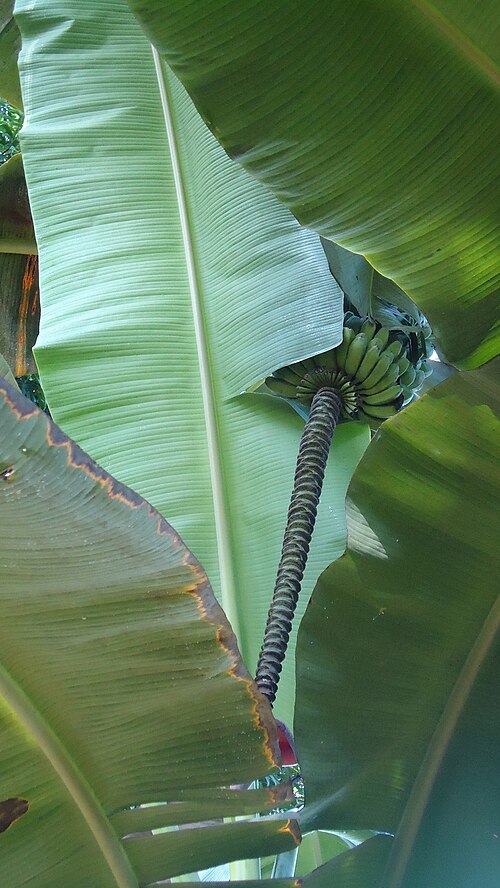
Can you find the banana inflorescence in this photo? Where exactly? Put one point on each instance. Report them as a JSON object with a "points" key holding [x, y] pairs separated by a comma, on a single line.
{"points": [[372, 375]]}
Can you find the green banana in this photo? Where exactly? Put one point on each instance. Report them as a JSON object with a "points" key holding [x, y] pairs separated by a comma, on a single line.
{"points": [[389, 378], [381, 338], [343, 348], [380, 369], [403, 364], [419, 378], [353, 321], [395, 348], [386, 396], [308, 365], [280, 387], [368, 363], [327, 360], [290, 375], [383, 411], [408, 376], [355, 354], [369, 328]]}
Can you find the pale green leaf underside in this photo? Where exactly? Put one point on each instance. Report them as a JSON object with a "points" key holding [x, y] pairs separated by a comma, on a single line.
{"points": [[376, 123], [120, 680], [143, 273]]}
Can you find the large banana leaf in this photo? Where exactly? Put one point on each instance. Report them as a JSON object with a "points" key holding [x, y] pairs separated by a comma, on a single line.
{"points": [[352, 869], [121, 683], [170, 282], [398, 716], [376, 123]]}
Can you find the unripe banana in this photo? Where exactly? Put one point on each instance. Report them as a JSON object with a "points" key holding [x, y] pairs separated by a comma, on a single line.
{"points": [[389, 378], [383, 411], [289, 374], [419, 378], [395, 348], [327, 359], [380, 369], [381, 338], [343, 348], [368, 363], [308, 365], [353, 321], [355, 354], [280, 387], [386, 396], [403, 364], [369, 328], [408, 376]]}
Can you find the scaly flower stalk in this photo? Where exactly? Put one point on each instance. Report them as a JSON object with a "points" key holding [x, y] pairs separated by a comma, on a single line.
{"points": [[311, 463], [365, 378]]}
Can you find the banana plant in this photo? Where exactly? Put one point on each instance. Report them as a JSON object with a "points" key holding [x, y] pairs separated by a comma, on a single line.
{"points": [[287, 172]]}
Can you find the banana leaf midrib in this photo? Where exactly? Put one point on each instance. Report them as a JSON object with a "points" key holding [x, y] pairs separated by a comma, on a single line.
{"points": [[440, 741], [458, 40], [36, 727], [219, 493]]}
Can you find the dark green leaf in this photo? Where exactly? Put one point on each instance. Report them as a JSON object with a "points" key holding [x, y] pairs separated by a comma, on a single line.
{"points": [[376, 123], [398, 716]]}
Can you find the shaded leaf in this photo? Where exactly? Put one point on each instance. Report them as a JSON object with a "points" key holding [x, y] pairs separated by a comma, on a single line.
{"points": [[375, 123], [360, 867], [16, 225], [362, 284], [397, 708]]}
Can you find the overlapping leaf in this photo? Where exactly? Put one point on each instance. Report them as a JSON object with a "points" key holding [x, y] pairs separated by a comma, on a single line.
{"points": [[170, 282], [398, 653], [121, 683], [376, 123]]}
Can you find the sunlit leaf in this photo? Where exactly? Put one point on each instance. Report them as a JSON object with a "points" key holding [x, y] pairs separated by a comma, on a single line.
{"points": [[376, 123]]}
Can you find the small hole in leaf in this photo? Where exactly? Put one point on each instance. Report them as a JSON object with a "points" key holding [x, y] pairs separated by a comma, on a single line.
{"points": [[10, 811]]}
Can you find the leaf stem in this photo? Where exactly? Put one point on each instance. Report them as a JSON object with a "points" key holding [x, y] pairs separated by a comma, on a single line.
{"points": [[308, 483]]}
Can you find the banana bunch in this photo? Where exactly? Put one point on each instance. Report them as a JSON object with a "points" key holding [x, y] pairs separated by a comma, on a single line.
{"points": [[372, 375]]}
